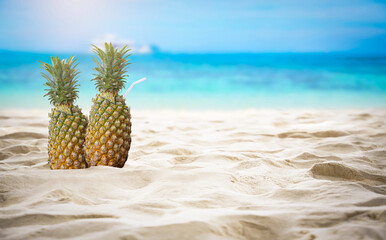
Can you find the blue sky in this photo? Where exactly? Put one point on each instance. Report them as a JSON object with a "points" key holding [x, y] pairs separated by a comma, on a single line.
{"points": [[195, 26]]}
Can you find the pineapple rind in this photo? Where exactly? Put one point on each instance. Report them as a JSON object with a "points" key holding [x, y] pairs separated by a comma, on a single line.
{"points": [[108, 137], [67, 132]]}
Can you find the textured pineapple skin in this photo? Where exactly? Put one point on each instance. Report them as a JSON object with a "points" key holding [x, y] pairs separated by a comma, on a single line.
{"points": [[108, 137], [67, 132]]}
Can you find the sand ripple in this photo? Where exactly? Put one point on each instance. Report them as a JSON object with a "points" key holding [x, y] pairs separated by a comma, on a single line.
{"points": [[204, 175], [23, 135]]}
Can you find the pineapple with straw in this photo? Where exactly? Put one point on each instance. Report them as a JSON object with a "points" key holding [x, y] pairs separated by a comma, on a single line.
{"points": [[108, 136]]}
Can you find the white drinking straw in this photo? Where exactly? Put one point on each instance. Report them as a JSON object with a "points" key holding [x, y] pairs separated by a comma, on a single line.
{"points": [[132, 85]]}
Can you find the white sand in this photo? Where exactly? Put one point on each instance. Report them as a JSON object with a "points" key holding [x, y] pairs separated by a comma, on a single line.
{"points": [[255, 174]]}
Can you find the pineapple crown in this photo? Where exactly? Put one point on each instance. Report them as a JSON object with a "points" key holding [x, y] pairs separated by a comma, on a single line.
{"points": [[111, 68], [61, 81]]}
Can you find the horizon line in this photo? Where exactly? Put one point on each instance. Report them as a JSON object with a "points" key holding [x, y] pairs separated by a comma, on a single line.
{"points": [[160, 52]]}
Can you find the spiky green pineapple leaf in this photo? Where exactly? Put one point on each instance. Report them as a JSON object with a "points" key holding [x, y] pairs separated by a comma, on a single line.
{"points": [[111, 68], [61, 80]]}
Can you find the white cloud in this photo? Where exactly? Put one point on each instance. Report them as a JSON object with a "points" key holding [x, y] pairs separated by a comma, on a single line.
{"points": [[119, 42], [145, 49]]}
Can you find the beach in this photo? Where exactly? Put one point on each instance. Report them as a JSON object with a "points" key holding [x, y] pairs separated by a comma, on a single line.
{"points": [[240, 174]]}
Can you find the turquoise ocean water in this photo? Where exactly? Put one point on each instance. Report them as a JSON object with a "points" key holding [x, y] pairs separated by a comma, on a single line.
{"points": [[215, 81]]}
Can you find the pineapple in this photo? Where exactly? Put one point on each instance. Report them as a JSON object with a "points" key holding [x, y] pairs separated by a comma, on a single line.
{"points": [[108, 134], [67, 127]]}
